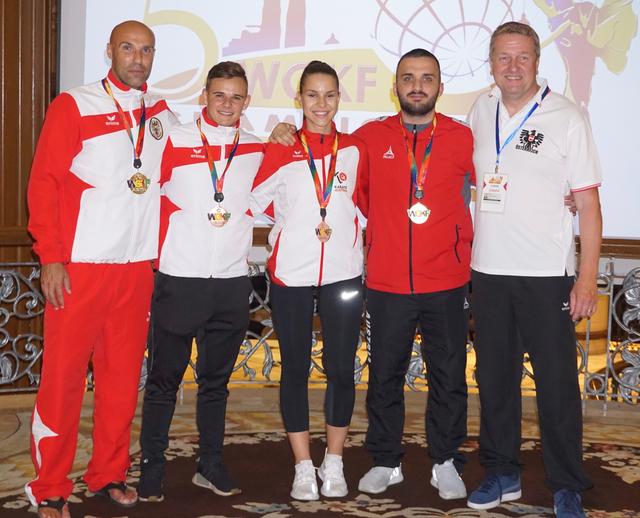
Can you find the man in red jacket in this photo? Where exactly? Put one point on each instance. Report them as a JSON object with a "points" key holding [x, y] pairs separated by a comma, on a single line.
{"points": [[94, 202], [416, 197], [418, 248]]}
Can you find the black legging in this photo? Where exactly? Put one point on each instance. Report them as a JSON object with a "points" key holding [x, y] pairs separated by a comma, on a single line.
{"points": [[340, 309]]}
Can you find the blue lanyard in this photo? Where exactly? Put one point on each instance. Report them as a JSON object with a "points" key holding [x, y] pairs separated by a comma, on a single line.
{"points": [[513, 133]]}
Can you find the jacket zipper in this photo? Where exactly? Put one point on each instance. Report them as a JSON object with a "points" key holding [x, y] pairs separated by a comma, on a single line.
{"points": [[415, 142], [455, 247]]}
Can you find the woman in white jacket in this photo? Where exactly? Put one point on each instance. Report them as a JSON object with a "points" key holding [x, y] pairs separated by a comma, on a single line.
{"points": [[310, 190]]}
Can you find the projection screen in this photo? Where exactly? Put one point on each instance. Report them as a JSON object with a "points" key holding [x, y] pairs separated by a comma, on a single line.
{"points": [[591, 53]]}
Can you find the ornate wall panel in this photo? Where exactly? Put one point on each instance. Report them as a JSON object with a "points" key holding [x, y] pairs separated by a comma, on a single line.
{"points": [[27, 84]]}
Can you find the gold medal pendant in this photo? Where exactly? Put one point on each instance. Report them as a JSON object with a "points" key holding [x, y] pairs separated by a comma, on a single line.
{"points": [[323, 232], [218, 216], [138, 183], [418, 213]]}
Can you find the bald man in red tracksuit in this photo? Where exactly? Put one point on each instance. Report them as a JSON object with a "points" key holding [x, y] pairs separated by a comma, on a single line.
{"points": [[90, 213]]}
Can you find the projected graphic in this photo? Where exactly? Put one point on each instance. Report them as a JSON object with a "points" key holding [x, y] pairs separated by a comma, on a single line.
{"points": [[458, 34], [270, 34], [590, 52], [458, 38], [583, 32]]}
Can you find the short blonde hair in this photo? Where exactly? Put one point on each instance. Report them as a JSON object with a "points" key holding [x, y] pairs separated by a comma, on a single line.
{"points": [[515, 28]]}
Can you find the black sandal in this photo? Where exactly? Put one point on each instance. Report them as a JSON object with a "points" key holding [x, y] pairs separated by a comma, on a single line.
{"points": [[122, 486], [48, 503]]}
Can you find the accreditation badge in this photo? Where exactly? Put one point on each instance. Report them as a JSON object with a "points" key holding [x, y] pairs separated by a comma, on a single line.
{"points": [[494, 192], [218, 216], [418, 213], [138, 183]]}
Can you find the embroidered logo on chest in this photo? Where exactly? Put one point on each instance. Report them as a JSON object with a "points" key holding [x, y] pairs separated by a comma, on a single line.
{"points": [[155, 128], [111, 121], [198, 153], [388, 154], [340, 182], [530, 140]]}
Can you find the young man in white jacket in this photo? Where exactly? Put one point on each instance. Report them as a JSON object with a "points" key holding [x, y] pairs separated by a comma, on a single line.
{"points": [[202, 289]]}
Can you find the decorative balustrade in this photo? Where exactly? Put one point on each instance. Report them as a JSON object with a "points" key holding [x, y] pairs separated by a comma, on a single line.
{"points": [[612, 374]]}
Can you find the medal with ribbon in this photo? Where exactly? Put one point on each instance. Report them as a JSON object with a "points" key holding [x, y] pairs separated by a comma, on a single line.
{"points": [[419, 213], [218, 216], [323, 230], [138, 183]]}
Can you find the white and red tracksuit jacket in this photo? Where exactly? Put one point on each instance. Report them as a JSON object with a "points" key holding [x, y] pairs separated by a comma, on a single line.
{"points": [[404, 257], [81, 209], [297, 257], [189, 245]]}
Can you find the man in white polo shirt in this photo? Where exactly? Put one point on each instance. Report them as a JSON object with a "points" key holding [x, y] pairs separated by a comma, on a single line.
{"points": [[531, 148]]}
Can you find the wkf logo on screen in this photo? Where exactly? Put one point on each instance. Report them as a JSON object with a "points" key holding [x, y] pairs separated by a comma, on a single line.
{"points": [[362, 40]]}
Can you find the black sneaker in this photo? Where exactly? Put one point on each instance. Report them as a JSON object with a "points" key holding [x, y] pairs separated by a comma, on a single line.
{"points": [[150, 485], [216, 478]]}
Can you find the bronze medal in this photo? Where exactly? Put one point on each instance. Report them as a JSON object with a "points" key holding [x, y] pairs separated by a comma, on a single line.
{"points": [[138, 183], [218, 216], [323, 232]]}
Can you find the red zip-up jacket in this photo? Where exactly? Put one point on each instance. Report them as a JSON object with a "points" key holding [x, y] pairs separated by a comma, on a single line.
{"points": [[402, 256]]}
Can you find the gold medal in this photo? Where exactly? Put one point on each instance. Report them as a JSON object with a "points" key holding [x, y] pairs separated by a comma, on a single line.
{"points": [[138, 183], [418, 213], [323, 232], [218, 216]]}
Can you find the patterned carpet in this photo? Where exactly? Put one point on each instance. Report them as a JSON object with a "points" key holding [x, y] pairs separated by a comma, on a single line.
{"points": [[259, 458], [261, 463]]}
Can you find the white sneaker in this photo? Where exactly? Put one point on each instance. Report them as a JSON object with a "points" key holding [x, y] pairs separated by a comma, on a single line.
{"points": [[305, 485], [379, 478], [332, 476], [445, 478]]}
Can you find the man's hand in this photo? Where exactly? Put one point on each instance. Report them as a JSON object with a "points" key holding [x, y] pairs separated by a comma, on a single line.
{"points": [[284, 133], [54, 280], [585, 290], [570, 203], [583, 298]]}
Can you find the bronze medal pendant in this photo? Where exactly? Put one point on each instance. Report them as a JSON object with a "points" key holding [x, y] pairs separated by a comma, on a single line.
{"points": [[418, 213], [218, 216], [323, 232], [138, 183]]}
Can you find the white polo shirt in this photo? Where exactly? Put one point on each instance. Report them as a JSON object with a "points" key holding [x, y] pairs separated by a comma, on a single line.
{"points": [[551, 155]]}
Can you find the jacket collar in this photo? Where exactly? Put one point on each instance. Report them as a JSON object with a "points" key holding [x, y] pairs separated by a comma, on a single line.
{"points": [[316, 137], [121, 86], [210, 127], [422, 133], [537, 98], [210, 122]]}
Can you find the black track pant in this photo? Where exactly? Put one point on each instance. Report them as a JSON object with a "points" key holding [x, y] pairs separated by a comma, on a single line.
{"points": [[392, 320], [513, 315], [340, 310], [216, 313]]}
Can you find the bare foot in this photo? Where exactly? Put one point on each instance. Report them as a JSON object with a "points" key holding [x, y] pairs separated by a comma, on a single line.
{"points": [[129, 497], [50, 512]]}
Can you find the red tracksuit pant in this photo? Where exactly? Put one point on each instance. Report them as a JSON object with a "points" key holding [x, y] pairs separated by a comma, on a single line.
{"points": [[105, 318]]}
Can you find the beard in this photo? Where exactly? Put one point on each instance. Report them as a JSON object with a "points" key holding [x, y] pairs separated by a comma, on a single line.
{"points": [[417, 109]]}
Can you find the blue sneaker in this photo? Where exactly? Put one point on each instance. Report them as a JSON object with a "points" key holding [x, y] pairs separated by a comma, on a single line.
{"points": [[495, 489], [568, 504]]}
